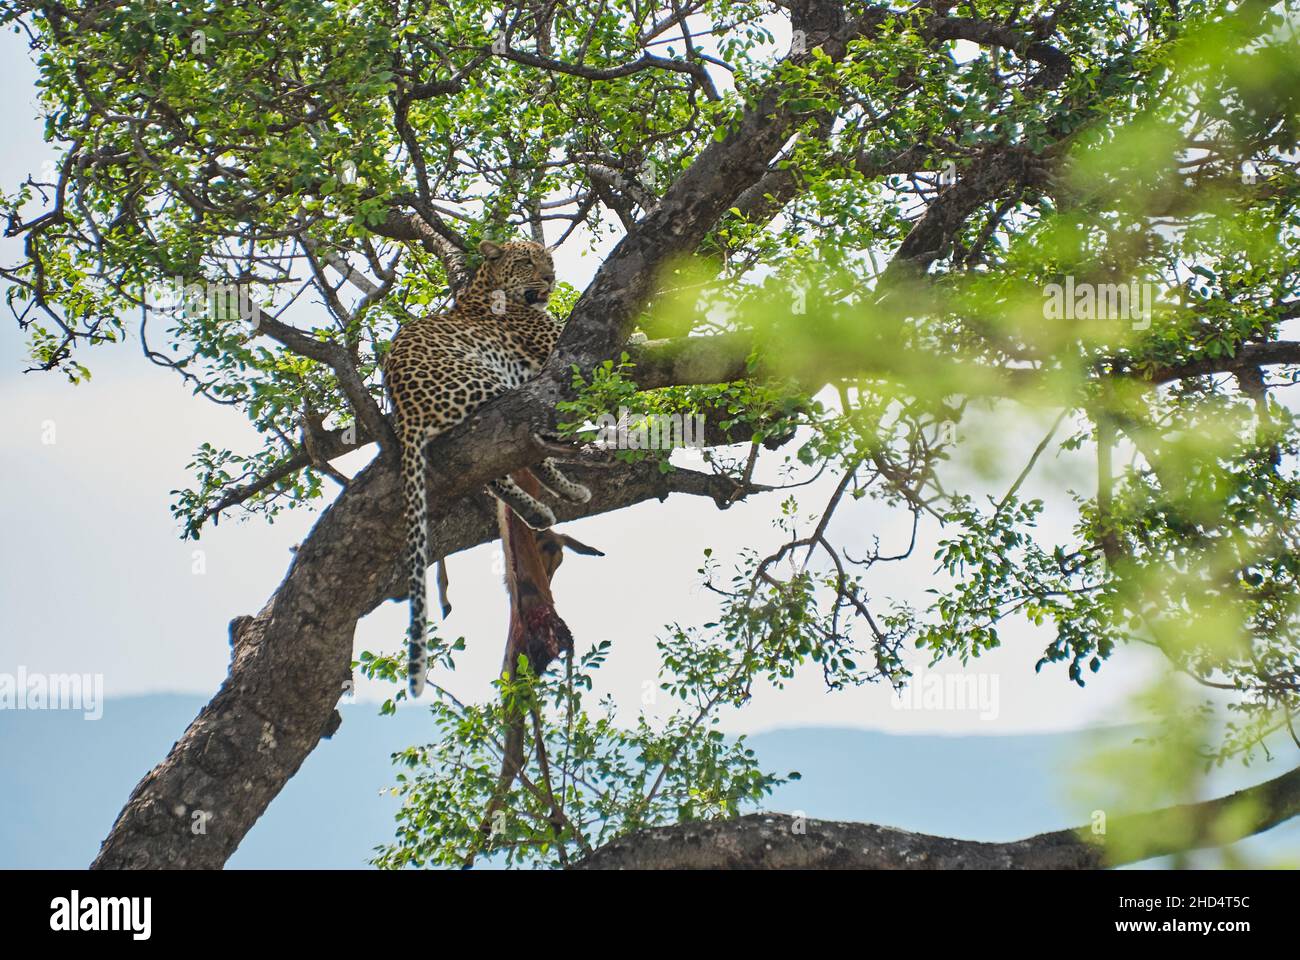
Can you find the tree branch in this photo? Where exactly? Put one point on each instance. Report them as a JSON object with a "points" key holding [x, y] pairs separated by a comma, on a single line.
{"points": [[768, 841], [721, 358]]}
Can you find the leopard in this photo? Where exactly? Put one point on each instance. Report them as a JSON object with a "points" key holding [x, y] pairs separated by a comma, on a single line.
{"points": [[440, 368]]}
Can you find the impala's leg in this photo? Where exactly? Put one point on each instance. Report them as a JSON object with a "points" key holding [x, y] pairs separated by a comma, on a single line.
{"points": [[443, 583]]}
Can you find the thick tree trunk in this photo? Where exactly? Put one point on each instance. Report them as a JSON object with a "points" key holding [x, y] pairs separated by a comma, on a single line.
{"points": [[288, 669]]}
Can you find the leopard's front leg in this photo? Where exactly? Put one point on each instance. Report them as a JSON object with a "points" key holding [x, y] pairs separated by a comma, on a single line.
{"points": [[527, 507]]}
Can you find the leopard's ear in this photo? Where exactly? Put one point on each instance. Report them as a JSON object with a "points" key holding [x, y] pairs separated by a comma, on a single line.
{"points": [[552, 248], [489, 250]]}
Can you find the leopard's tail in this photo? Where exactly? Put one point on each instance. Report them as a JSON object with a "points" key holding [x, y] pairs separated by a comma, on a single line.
{"points": [[417, 562]]}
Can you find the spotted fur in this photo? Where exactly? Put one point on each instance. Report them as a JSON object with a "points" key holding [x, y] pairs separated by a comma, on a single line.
{"points": [[441, 368]]}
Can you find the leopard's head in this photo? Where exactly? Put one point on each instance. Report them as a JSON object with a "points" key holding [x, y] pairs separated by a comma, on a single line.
{"points": [[521, 269]]}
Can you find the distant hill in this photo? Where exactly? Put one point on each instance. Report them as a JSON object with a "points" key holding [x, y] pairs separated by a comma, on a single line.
{"points": [[64, 779]]}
